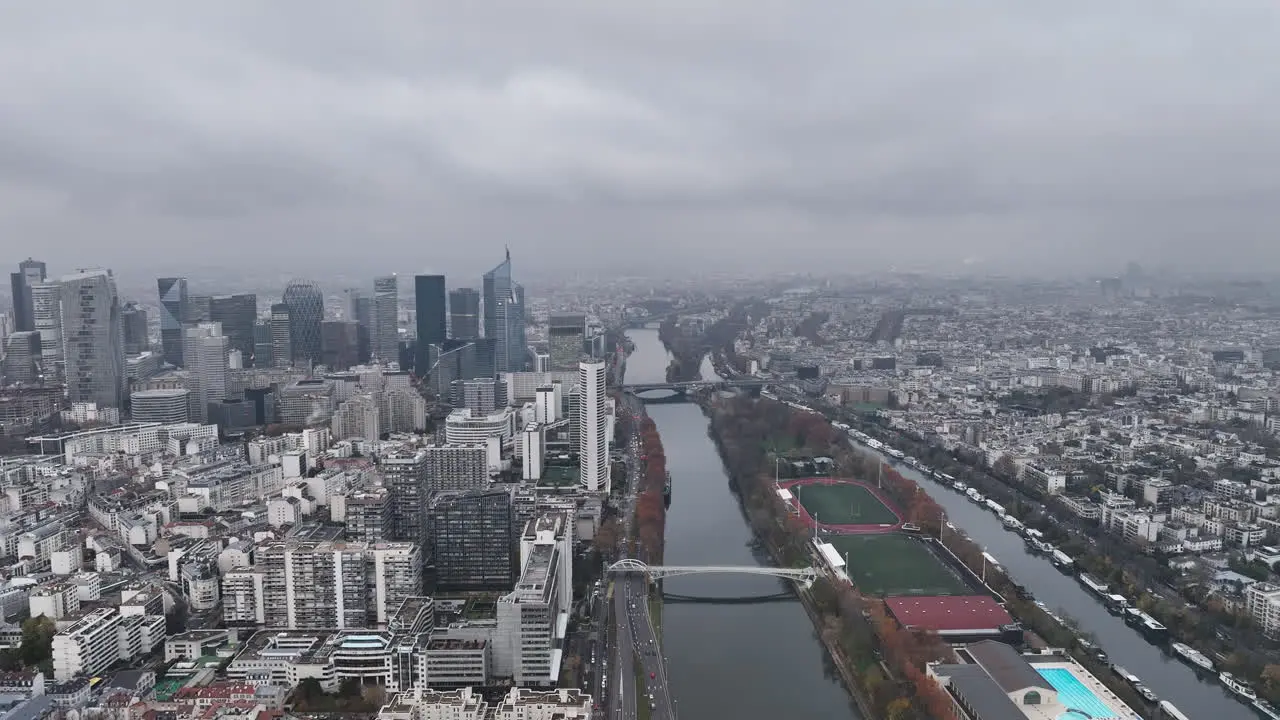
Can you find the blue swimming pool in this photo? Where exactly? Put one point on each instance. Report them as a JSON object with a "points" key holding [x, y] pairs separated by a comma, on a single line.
{"points": [[1073, 693]]}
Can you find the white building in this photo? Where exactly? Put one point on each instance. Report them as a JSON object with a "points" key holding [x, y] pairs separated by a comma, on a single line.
{"points": [[204, 350], [533, 449], [1262, 602], [464, 427], [593, 440]]}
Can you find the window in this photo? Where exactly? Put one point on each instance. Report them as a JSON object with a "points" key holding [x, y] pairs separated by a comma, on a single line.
{"points": [[1031, 698]]}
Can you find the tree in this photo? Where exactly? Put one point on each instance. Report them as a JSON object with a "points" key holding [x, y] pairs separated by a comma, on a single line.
{"points": [[37, 640], [899, 709]]}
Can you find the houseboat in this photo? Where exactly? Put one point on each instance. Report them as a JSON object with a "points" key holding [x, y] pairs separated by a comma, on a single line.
{"points": [[1097, 587], [1193, 657], [976, 497], [1265, 709], [1147, 625], [1169, 712], [1237, 686], [959, 486], [1011, 523], [1116, 604], [994, 507], [1062, 561]]}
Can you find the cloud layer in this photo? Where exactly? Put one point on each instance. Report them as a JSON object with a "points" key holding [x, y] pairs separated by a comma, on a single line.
{"points": [[587, 135]]}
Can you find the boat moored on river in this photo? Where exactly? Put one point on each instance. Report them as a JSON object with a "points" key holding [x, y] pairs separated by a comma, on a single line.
{"points": [[1193, 657]]}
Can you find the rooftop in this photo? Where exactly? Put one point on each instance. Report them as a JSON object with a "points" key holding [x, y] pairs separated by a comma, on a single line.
{"points": [[954, 614]]}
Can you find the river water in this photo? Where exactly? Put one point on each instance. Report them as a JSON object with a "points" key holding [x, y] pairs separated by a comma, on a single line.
{"points": [[1168, 677], [746, 662]]}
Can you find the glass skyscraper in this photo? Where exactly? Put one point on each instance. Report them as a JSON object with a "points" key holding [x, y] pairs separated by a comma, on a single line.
{"points": [[173, 312], [94, 337], [504, 317], [306, 312]]}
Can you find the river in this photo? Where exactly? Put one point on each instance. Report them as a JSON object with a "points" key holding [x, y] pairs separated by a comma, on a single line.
{"points": [[747, 662], [1166, 676]]}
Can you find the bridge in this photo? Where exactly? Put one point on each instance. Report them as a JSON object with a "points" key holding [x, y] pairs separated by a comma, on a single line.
{"points": [[804, 575], [695, 385]]}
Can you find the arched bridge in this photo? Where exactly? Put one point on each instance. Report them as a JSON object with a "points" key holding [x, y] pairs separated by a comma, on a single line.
{"points": [[804, 575]]}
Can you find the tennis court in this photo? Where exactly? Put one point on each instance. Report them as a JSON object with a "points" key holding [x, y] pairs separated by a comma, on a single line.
{"points": [[893, 564], [843, 505]]}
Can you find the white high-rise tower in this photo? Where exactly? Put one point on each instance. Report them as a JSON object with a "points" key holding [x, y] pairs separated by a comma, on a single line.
{"points": [[593, 441], [204, 349]]}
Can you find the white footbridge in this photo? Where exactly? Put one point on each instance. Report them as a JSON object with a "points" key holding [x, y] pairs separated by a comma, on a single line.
{"points": [[805, 575]]}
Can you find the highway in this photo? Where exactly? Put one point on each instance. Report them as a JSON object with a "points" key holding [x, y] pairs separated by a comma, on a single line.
{"points": [[634, 635]]}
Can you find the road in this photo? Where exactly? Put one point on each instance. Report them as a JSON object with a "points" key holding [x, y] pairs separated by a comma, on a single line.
{"points": [[634, 635]]}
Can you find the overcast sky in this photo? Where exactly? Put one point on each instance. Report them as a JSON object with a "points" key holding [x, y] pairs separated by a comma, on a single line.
{"points": [[1043, 135]]}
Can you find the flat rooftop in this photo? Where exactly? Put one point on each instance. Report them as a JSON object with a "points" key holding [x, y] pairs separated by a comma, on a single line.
{"points": [[950, 614]]}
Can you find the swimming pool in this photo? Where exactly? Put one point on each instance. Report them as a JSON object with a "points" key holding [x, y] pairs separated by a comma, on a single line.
{"points": [[1073, 693]]}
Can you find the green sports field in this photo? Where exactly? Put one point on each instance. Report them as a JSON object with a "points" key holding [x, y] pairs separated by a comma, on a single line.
{"points": [[843, 504], [894, 564]]}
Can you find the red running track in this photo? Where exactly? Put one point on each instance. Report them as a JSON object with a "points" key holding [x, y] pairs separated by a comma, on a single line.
{"points": [[809, 522]]}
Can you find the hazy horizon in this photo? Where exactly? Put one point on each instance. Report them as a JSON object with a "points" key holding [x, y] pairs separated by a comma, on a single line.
{"points": [[319, 138]]}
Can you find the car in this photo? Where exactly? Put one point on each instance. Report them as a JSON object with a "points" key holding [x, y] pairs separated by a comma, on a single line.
{"points": [[651, 677]]}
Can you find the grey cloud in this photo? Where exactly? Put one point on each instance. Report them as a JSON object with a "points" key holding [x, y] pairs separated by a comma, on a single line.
{"points": [[1076, 135]]}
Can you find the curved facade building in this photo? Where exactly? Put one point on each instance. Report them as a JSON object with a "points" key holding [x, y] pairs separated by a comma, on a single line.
{"points": [[306, 312]]}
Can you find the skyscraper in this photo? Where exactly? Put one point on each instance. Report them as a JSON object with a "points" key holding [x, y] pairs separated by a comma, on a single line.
{"points": [[360, 312], [94, 339], [173, 312], [504, 317], [238, 314], [429, 302], [281, 327], [46, 304], [464, 314], [593, 441], [30, 272], [20, 362], [134, 320], [340, 343], [205, 351], [566, 333], [386, 324], [306, 312]]}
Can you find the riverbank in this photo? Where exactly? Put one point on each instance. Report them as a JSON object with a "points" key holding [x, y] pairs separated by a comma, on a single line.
{"points": [[1144, 581], [851, 629]]}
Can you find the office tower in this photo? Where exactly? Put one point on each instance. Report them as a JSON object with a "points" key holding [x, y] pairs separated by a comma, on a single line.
{"points": [[566, 334], [385, 328], [552, 527], [173, 312], [94, 339], [30, 273], [46, 306], [473, 540], [163, 406], [134, 320], [457, 467], [504, 317], [205, 352], [481, 395], [339, 344], [306, 312], [281, 335], [546, 404], [404, 474], [238, 315], [199, 309], [429, 304], [593, 443], [533, 449], [262, 355], [21, 359], [464, 314]]}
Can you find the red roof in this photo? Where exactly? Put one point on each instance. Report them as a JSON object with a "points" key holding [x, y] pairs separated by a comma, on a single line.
{"points": [[949, 614]]}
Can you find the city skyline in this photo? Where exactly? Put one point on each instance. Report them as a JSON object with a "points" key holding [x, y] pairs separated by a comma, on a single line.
{"points": [[860, 134]]}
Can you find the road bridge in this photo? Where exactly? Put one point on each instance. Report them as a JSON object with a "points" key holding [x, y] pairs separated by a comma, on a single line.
{"points": [[805, 575]]}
